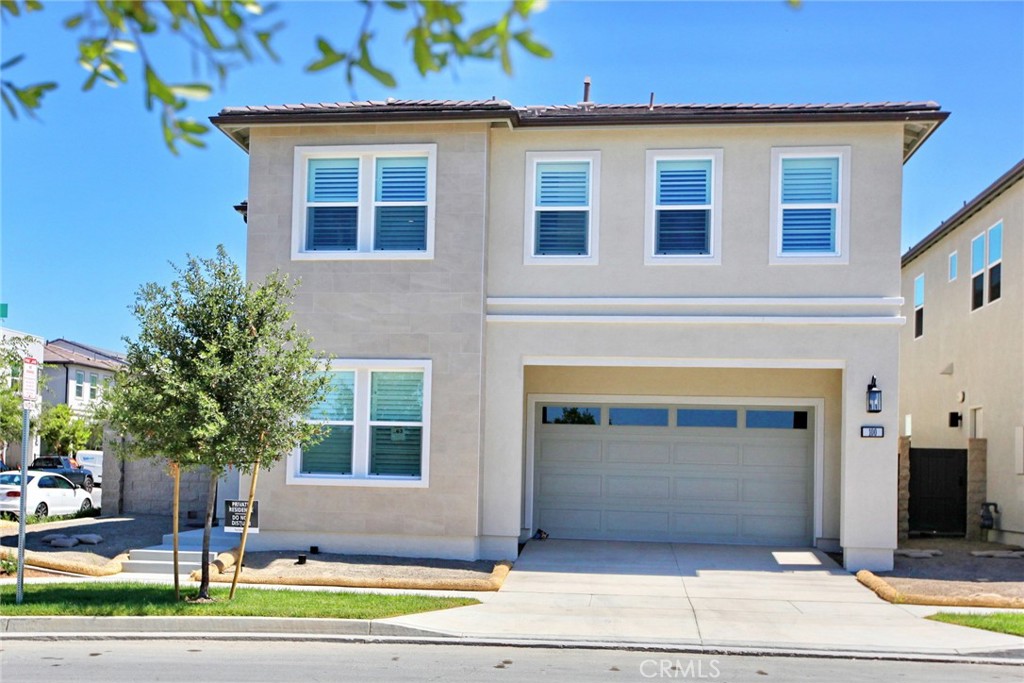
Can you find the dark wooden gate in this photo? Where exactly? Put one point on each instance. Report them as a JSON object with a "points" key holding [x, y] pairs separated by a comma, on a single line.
{"points": [[938, 491]]}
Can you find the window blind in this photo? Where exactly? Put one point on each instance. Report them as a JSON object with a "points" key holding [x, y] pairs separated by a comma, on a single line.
{"points": [[562, 216], [814, 183]]}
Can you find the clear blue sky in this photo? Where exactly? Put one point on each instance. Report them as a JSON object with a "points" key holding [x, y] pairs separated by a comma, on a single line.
{"points": [[93, 204]]}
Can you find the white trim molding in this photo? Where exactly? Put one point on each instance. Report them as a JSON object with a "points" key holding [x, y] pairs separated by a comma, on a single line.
{"points": [[360, 475], [714, 257], [366, 156], [841, 253], [593, 158]]}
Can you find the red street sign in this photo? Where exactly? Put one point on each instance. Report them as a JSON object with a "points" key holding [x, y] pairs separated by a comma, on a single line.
{"points": [[29, 382]]}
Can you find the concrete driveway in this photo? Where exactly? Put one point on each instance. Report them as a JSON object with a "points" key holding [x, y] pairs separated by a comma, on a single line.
{"points": [[698, 595]]}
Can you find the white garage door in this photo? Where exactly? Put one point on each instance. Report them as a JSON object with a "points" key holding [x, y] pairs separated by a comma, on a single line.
{"points": [[685, 473]]}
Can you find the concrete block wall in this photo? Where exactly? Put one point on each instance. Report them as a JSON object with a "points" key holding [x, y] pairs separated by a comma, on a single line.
{"points": [[147, 488]]}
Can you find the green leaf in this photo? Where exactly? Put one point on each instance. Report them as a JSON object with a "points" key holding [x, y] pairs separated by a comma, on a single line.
{"points": [[73, 21], [33, 5], [193, 126], [192, 91], [10, 6], [396, 4], [330, 56], [208, 33], [123, 45], [9, 104], [11, 62], [157, 88], [525, 39], [382, 77]]}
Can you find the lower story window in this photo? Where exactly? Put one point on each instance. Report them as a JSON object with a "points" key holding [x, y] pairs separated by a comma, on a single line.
{"points": [[376, 417]]}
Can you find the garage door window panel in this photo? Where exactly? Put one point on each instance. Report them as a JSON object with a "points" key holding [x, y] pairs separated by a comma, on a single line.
{"points": [[776, 419], [706, 417], [571, 415], [638, 417]]}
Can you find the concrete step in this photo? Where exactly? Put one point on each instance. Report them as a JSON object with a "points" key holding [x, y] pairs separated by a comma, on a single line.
{"points": [[157, 567], [193, 540], [161, 554]]}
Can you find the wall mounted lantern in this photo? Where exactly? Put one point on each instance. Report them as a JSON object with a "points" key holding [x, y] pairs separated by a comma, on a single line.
{"points": [[874, 396], [956, 419]]}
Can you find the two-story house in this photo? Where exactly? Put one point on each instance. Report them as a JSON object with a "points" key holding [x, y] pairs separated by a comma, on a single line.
{"points": [[30, 346], [78, 373], [630, 322], [962, 369]]}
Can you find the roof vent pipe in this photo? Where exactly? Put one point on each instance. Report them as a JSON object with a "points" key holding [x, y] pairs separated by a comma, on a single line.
{"points": [[650, 104], [586, 88]]}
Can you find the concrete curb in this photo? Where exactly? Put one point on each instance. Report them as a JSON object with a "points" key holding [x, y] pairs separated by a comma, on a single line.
{"points": [[885, 590], [375, 632], [226, 560], [70, 626], [46, 561]]}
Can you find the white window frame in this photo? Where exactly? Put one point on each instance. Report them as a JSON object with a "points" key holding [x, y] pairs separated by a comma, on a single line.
{"points": [[79, 384], [367, 156], [94, 385], [716, 156], [361, 424], [919, 306], [953, 269], [989, 264], [593, 208], [841, 255]]}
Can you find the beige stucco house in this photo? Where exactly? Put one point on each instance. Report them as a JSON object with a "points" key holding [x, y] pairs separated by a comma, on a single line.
{"points": [[600, 321], [962, 365]]}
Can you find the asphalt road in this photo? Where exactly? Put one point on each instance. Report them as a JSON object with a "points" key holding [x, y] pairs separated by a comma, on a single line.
{"points": [[111, 661]]}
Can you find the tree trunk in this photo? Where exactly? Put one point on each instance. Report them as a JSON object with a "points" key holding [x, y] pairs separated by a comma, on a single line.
{"points": [[245, 532], [211, 503], [176, 505]]}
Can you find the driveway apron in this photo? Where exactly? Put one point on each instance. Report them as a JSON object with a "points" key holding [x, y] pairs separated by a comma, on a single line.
{"points": [[697, 595]]}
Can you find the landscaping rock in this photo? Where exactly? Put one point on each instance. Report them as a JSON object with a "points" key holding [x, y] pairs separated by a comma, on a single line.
{"points": [[64, 542], [89, 539], [50, 537]]}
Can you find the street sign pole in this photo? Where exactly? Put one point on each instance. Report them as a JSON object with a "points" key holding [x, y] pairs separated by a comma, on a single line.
{"points": [[23, 506], [29, 392]]}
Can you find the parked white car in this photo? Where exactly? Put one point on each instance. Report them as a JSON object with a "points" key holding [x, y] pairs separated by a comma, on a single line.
{"points": [[93, 461], [47, 494]]}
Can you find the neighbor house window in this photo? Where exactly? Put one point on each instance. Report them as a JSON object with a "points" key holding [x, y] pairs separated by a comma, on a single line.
{"points": [[952, 266], [364, 202], [810, 205], [377, 420], [561, 207], [94, 385], [79, 384], [683, 219], [987, 259], [919, 305]]}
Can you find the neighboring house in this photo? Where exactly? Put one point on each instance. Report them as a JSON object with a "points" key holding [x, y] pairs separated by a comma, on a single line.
{"points": [[623, 322], [11, 455], [78, 373], [962, 368]]}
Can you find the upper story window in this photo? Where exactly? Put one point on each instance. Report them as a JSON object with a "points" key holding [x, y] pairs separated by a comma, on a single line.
{"points": [[561, 207], [79, 384], [987, 258], [919, 305], [952, 266], [810, 205], [683, 217], [377, 417], [94, 385], [364, 202]]}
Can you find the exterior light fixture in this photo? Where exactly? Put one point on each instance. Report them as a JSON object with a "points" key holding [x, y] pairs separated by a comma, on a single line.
{"points": [[874, 396]]}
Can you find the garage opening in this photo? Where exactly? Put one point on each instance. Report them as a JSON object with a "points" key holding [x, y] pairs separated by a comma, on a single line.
{"points": [[679, 472]]}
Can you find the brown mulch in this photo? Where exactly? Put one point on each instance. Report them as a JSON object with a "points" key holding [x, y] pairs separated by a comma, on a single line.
{"points": [[956, 573], [278, 564]]}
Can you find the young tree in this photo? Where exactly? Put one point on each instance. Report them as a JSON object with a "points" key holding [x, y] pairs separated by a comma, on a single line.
{"points": [[12, 350], [218, 376], [63, 431]]}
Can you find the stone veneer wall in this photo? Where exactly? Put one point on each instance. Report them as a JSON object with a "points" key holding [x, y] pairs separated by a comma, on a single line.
{"points": [[148, 489], [977, 491], [903, 502]]}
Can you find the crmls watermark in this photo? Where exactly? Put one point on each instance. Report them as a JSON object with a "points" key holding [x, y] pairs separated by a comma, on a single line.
{"points": [[677, 668]]}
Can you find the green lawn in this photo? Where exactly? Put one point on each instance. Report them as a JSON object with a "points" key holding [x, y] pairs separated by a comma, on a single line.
{"points": [[1002, 622], [137, 599]]}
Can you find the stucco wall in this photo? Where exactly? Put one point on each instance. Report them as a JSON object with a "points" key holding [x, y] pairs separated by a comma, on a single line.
{"points": [[979, 353], [876, 186], [381, 309]]}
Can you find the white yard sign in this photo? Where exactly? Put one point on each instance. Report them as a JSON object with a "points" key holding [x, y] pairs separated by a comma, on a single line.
{"points": [[29, 382]]}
